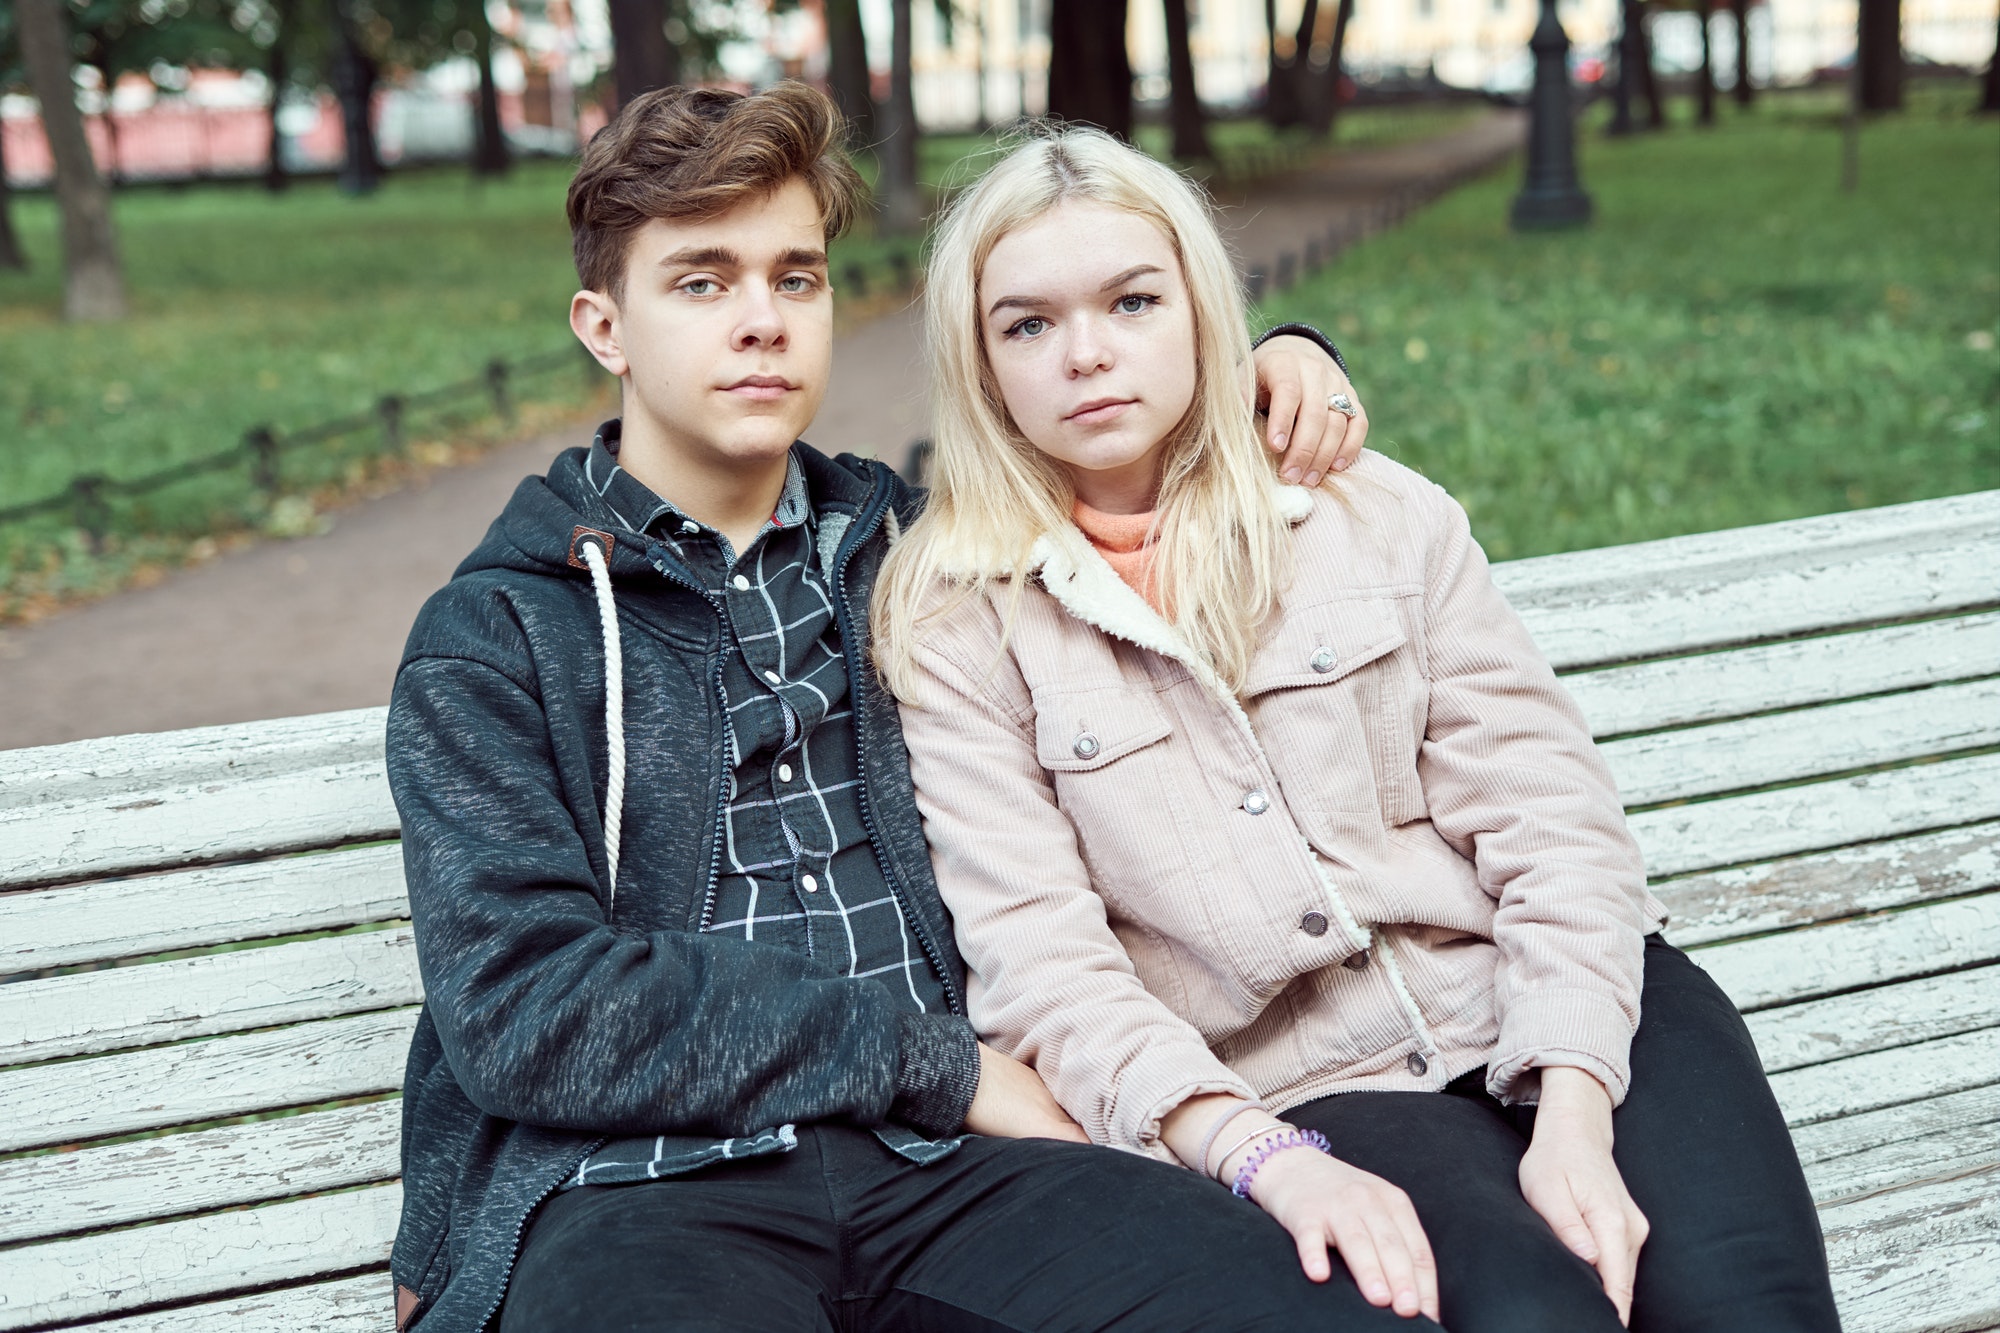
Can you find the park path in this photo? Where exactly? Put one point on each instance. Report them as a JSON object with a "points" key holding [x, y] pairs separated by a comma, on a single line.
{"points": [[317, 623]]}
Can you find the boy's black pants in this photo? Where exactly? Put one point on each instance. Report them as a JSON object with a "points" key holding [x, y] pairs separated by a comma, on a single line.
{"points": [[1002, 1236]]}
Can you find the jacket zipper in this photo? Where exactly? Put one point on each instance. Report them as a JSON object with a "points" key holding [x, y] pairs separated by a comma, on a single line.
{"points": [[716, 832], [872, 520], [521, 1226]]}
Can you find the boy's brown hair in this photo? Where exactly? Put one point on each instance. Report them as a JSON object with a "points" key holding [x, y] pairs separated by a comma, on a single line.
{"points": [[696, 152]]}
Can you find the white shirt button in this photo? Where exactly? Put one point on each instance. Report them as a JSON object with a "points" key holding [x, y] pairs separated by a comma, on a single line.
{"points": [[774, 677], [689, 527], [742, 584], [1256, 802], [1322, 660], [808, 883], [784, 772]]}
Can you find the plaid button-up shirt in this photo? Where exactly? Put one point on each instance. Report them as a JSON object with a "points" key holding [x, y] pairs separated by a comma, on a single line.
{"points": [[798, 868]]}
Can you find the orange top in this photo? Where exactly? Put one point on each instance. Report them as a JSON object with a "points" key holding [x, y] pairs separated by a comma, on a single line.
{"points": [[1121, 540]]}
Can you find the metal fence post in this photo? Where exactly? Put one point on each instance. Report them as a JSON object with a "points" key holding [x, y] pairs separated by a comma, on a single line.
{"points": [[263, 447], [1288, 266], [390, 408], [496, 382], [856, 278], [899, 262], [87, 502]]}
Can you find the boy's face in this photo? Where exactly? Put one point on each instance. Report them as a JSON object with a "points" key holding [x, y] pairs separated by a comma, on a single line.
{"points": [[724, 332]]}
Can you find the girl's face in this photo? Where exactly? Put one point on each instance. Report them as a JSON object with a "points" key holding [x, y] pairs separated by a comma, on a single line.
{"points": [[1090, 334]]}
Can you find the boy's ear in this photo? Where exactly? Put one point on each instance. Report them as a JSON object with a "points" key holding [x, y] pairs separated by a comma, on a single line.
{"points": [[593, 317]]}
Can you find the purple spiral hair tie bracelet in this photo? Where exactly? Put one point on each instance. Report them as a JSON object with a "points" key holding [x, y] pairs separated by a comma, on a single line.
{"points": [[1271, 1147]]}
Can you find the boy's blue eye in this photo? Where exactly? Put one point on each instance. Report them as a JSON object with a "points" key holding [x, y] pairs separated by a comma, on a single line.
{"points": [[703, 283]]}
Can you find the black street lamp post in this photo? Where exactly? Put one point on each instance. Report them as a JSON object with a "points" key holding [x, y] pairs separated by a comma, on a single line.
{"points": [[1551, 195]]}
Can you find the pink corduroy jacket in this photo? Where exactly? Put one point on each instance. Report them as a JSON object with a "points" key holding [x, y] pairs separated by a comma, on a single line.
{"points": [[1396, 857]]}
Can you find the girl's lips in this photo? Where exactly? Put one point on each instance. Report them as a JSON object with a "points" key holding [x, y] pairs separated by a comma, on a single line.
{"points": [[1091, 416]]}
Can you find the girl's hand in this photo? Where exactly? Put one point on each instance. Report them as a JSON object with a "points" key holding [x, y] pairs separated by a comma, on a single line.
{"points": [[1568, 1177], [1325, 1203], [1294, 379]]}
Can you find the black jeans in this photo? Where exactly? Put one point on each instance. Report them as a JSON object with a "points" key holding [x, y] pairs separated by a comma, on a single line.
{"points": [[1002, 1236], [1735, 1244]]}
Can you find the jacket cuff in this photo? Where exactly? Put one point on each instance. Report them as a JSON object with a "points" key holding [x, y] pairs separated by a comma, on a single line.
{"points": [[1581, 1029], [937, 1072], [1305, 331]]}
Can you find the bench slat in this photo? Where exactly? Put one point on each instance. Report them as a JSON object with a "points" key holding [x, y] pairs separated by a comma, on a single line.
{"points": [[190, 909], [1798, 891], [1843, 955], [1763, 826], [1861, 1021], [1922, 1258], [1807, 743], [67, 1280], [1683, 594], [1888, 1078], [361, 1304], [1712, 687], [1830, 1140], [77, 1100], [57, 1194], [1956, 1150], [130, 803], [194, 997]]}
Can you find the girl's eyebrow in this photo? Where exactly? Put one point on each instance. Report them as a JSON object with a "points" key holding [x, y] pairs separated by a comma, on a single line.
{"points": [[1036, 302]]}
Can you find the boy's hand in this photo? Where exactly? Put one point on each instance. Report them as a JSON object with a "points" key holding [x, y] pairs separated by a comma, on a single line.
{"points": [[1294, 380], [1568, 1177], [1012, 1102]]}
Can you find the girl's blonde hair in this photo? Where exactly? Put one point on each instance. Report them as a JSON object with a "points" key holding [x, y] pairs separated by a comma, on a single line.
{"points": [[1222, 553]]}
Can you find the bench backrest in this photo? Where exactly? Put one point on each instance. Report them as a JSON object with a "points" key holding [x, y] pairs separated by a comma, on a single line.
{"points": [[203, 931]]}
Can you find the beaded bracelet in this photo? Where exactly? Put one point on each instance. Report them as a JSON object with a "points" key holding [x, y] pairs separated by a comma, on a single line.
{"points": [[1208, 1141], [1271, 1147]]}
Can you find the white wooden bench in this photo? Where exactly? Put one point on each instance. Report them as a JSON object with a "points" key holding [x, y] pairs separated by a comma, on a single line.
{"points": [[1804, 719]]}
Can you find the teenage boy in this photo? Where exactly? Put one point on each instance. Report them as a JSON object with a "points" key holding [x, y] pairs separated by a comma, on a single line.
{"points": [[693, 1052]]}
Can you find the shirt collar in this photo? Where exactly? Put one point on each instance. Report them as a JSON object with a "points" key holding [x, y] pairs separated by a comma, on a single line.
{"points": [[635, 505]]}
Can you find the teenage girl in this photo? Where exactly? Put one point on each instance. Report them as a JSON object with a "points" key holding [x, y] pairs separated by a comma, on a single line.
{"points": [[1271, 840]]}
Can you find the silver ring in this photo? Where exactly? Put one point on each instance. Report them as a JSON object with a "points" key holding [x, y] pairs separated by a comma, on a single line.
{"points": [[1341, 403]]}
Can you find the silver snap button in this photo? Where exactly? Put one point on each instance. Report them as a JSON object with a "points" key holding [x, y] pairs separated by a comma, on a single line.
{"points": [[1322, 660], [1417, 1065], [1356, 962], [1085, 746], [1313, 923], [1256, 802]]}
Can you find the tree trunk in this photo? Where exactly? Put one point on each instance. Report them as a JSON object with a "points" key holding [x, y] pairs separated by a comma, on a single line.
{"points": [[1879, 50], [489, 140], [1705, 76], [1989, 98], [1190, 122], [1649, 78], [902, 211], [93, 284], [847, 67], [354, 77], [277, 68], [1090, 75], [1629, 56], [1281, 104], [11, 254], [642, 58], [1325, 104], [1744, 92]]}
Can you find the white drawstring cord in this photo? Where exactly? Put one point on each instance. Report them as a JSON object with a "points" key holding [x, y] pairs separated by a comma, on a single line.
{"points": [[614, 709]]}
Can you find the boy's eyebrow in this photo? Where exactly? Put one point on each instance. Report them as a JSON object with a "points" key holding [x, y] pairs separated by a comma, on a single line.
{"points": [[1036, 302], [802, 257], [705, 256]]}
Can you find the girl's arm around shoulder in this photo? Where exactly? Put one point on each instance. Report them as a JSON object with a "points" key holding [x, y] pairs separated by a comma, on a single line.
{"points": [[1048, 981]]}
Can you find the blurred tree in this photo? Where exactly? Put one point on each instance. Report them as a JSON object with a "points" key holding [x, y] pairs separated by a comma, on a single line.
{"points": [[1184, 109], [896, 154], [1090, 75], [11, 76], [93, 283], [121, 37], [1704, 85], [847, 67], [1280, 105], [354, 72], [1649, 78], [1740, 9], [1879, 52], [1989, 97], [642, 58], [1330, 35]]}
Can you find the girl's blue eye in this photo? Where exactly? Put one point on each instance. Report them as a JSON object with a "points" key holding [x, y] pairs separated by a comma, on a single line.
{"points": [[1031, 327], [1135, 304]]}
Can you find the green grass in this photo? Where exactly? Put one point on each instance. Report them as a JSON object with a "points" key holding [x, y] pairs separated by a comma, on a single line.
{"points": [[1733, 341]]}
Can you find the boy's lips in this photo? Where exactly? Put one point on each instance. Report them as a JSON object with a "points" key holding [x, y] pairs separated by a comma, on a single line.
{"points": [[761, 388]]}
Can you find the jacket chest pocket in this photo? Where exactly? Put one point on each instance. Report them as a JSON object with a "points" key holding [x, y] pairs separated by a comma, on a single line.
{"points": [[1339, 699], [1102, 750]]}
